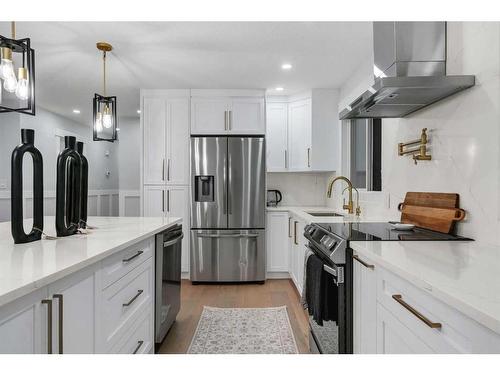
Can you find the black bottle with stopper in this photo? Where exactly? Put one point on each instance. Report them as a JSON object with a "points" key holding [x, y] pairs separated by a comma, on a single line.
{"points": [[68, 189], [26, 146], [84, 185]]}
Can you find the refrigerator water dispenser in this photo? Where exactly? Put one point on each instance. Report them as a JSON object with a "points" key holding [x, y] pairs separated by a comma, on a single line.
{"points": [[204, 188]]}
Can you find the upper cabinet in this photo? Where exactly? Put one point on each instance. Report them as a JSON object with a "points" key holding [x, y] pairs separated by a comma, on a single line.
{"points": [[165, 126], [227, 112], [303, 132]]}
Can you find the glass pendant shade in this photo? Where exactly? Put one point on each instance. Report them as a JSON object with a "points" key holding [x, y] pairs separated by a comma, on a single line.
{"points": [[104, 111], [17, 91]]}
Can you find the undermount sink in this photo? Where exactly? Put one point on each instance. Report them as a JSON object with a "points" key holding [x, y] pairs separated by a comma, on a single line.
{"points": [[323, 214]]}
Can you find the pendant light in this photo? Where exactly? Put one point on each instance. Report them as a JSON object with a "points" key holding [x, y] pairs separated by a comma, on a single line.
{"points": [[17, 91], [104, 107]]}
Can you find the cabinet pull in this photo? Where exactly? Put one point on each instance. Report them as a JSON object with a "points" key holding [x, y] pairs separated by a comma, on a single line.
{"points": [[371, 266], [295, 232], [48, 302], [163, 169], [61, 326], [168, 200], [308, 158], [399, 299], [289, 227], [230, 119], [139, 292], [126, 260], [225, 120], [163, 200], [286, 161], [168, 169], [139, 344]]}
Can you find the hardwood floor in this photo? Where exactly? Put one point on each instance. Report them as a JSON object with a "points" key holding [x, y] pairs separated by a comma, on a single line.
{"points": [[272, 293]]}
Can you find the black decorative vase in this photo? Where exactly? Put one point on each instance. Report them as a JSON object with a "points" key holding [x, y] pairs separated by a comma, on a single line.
{"points": [[68, 189], [27, 145], [84, 185]]}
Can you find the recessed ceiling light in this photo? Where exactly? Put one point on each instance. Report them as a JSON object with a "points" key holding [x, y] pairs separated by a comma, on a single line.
{"points": [[138, 111], [77, 111], [286, 66], [279, 89]]}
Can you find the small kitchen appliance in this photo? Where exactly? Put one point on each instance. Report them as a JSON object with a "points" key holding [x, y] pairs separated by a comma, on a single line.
{"points": [[273, 198]]}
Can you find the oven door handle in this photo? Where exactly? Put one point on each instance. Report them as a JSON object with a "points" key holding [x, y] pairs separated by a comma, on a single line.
{"points": [[330, 270], [174, 241], [337, 273]]}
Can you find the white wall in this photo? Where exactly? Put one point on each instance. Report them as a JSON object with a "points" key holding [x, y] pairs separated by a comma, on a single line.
{"points": [[103, 196], [463, 131]]}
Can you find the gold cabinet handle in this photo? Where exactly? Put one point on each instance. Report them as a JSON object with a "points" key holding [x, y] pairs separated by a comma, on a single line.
{"points": [[60, 297], [48, 302], [139, 292], [371, 266], [295, 232], [399, 299], [139, 344], [126, 260]]}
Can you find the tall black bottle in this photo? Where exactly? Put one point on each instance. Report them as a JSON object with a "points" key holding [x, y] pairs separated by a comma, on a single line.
{"points": [[68, 189], [84, 185], [27, 145]]}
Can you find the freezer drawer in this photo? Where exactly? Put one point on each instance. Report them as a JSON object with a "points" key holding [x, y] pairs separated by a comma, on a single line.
{"points": [[228, 255]]}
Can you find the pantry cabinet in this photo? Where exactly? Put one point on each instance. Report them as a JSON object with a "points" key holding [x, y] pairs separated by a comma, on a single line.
{"points": [[165, 123], [218, 112], [277, 241], [304, 132]]}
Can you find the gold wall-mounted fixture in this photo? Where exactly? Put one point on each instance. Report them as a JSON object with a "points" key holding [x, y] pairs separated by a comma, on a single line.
{"points": [[419, 153]]}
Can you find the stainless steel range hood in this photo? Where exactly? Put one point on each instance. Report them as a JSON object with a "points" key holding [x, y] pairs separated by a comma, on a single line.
{"points": [[409, 69]]}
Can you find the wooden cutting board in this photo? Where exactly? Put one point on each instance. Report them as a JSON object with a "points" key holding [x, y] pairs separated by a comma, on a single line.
{"points": [[435, 211]]}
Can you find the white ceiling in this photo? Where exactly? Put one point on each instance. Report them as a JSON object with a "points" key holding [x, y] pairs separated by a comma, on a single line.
{"points": [[187, 55]]}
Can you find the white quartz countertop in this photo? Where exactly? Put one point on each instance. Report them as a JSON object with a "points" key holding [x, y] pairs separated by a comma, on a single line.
{"points": [[465, 275], [303, 213], [27, 267]]}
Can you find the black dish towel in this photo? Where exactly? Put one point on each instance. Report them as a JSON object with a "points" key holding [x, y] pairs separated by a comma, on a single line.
{"points": [[321, 291]]}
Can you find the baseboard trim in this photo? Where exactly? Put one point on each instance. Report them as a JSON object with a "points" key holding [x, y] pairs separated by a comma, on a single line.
{"points": [[278, 275]]}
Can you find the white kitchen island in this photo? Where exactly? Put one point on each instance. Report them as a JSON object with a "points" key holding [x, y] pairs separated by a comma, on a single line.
{"points": [[91, 293]]}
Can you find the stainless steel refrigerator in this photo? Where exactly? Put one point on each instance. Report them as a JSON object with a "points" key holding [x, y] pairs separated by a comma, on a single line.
{"points": [[228, 209]]}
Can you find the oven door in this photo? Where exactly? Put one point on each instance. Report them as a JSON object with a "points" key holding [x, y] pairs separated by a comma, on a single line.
{"points": [[330, 338]]}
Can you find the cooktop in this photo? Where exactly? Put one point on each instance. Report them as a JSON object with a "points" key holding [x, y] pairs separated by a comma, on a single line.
{"points": [[384, 232]]}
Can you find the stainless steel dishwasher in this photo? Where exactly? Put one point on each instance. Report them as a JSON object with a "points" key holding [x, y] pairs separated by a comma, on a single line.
{"points": [[167, 280]]}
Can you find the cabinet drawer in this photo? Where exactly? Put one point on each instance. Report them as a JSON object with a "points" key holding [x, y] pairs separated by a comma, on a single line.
{"points": [[140, 340], [118, 265], [125, 300], [457, 334]]}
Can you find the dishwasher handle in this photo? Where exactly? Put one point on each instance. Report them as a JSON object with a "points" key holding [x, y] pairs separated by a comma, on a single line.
{"points": [[174, 241]]}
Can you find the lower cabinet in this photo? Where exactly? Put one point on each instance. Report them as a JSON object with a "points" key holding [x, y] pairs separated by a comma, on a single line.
{"points": [[393, 316], [90, 311], [297, 251], [277, 241]]}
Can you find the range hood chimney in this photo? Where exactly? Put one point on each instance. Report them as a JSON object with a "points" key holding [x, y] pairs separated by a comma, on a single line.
{"points": [[409, 71]]}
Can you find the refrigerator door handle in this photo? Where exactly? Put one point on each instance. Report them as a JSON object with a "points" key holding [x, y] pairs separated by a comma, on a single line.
{"points": [[229, 182]]}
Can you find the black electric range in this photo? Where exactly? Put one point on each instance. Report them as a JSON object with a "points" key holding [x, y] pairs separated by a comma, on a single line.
{"points": [[330, 242]]}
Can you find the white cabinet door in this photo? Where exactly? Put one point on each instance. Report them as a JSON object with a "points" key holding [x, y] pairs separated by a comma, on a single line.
{"points": [[293, 250], [276, 136], [177, 120], [209, 115], [393, 337], [365, 307], [74, 305], [299, 135], [178, 206], [23, 325], [154, 200], [154, 132], [277, 241], [246, 116]]}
